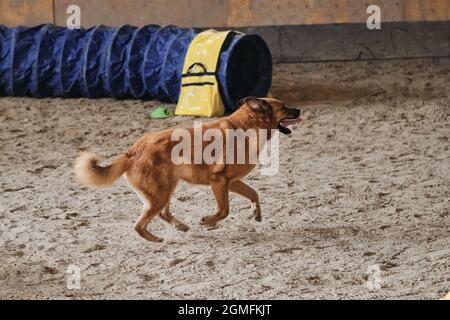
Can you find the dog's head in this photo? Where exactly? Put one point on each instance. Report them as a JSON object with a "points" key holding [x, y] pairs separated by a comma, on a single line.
{"points": [[274, 112]]}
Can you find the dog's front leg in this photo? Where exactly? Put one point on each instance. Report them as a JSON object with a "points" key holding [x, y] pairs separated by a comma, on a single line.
{"points": [[248, 192], [220, 188]]}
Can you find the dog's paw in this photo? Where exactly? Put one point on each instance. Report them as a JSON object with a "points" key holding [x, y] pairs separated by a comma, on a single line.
{"points": [[181, 227], [257, 213], [208, 220]]}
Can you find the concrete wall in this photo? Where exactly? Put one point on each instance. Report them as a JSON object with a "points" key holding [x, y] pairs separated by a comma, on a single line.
{"points": [[295, 30], [191, 13], [219, 13], [292, 12]]}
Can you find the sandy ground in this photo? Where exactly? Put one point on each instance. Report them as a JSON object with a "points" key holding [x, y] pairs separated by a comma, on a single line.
{"points": [[364, 183]]}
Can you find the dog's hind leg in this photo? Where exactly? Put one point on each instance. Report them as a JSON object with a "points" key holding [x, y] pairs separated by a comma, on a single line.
{"points": [[221, 190], [153, 208], [248, 192], [167, 216]]}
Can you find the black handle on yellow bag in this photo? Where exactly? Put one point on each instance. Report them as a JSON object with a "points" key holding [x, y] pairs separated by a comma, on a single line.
{"points": [[205, 72], [196, 64]]}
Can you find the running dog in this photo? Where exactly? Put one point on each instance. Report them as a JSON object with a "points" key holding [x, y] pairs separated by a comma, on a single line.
{"points": [[151, 171]]}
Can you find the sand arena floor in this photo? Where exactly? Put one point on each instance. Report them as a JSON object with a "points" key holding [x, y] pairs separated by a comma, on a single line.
{"points": [[364, 183]]}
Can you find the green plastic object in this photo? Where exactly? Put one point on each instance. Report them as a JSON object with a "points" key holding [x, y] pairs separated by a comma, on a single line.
{"points": [[161, 112]]}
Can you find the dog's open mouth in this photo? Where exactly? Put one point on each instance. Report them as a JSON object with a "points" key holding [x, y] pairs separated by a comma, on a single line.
{"points": [[286, 125]]}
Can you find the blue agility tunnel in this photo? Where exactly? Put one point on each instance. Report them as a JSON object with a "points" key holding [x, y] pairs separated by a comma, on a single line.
{"points": [[123, 62]]}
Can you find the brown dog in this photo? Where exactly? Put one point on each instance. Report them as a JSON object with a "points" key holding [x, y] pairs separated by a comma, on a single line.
{"points": [[150, 170]]}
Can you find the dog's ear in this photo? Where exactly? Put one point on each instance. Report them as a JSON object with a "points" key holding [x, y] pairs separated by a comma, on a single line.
{"points": [[258, 105], [243, 101]]}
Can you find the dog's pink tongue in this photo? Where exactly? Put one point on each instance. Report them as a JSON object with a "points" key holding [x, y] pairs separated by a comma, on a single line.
{"points": [[292, 123], [298, 123]]}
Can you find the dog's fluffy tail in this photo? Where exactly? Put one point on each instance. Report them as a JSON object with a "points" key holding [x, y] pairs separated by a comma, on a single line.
{"points": [[90, 174]]}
